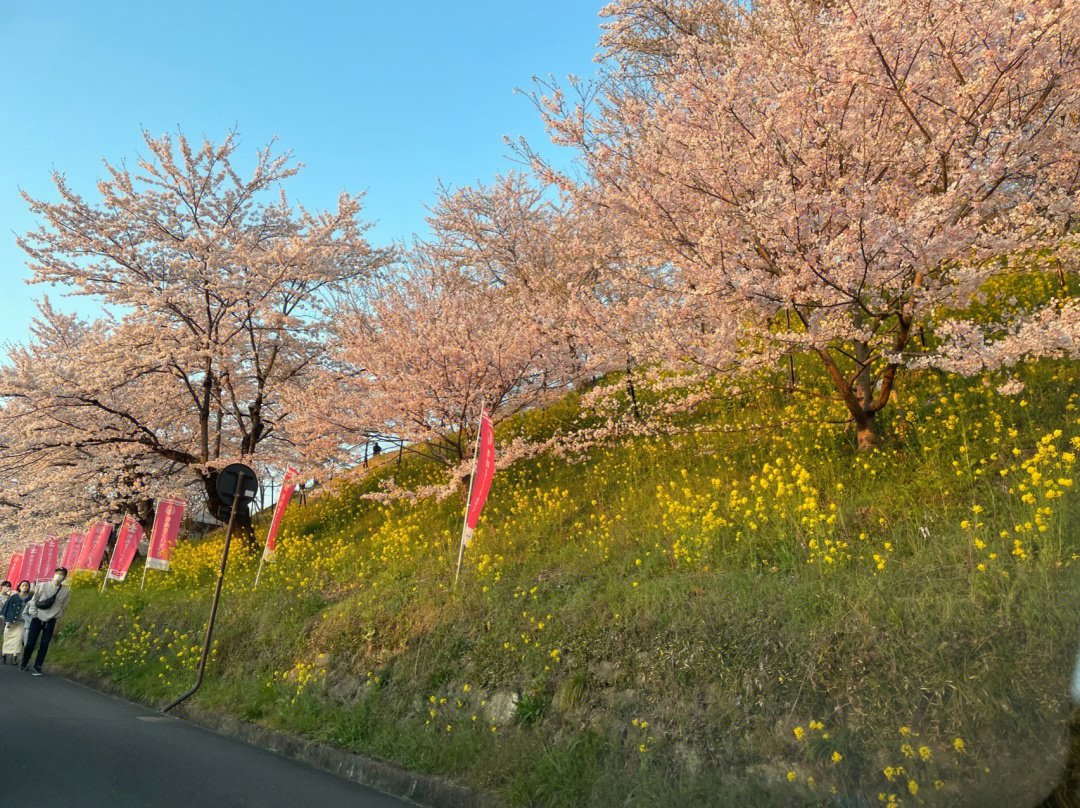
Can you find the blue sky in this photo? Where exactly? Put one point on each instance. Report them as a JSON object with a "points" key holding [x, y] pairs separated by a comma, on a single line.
{"points": [[386, 98]]}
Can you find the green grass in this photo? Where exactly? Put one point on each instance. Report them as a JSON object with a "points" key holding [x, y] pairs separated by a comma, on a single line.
{"points": [[683, 640]]}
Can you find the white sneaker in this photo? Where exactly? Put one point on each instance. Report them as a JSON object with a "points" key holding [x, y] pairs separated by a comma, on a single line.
{"points": [[35, 673]]}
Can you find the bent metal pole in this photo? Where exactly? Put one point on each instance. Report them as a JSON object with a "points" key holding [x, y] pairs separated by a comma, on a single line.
{"points": [[217, 594]]}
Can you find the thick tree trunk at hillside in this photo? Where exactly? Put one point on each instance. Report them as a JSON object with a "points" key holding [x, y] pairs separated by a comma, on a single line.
{"points": [[863, 383], [855, 394], [866, 433], [144, 514], [244, 530], [860, 394]]}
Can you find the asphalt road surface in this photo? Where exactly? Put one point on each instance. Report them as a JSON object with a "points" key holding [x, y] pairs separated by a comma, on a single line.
{"points": [[66, 745]]}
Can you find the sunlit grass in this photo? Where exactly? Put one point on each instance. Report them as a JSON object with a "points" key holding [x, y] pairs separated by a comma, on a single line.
{"points": [[775, 619]]}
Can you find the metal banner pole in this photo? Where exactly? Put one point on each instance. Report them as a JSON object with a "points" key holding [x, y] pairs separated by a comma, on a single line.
{"points": [[259, 573], [217, 594], [262, 558], [108, 566]]}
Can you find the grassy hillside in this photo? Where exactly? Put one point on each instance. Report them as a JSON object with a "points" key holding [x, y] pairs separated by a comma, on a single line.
{"points": [[730, 616]]}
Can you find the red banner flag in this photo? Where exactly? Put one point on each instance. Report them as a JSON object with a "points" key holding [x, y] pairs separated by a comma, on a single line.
{"points": [[170, 512], [71, 552], [99, 545], [483, 472], [288, 485], [55, 553], [82, 558], [481, 482], [14, 571], [127, 542], [47, 565], [31, 562], [35, 575], [93, 547]]}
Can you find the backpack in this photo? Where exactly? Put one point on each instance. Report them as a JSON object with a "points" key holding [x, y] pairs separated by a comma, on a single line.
{"points": [[49, 601]]}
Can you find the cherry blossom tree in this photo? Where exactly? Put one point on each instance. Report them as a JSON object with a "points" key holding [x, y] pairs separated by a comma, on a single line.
{"points": [[70, 453], [478, 315], [219, 291], [820, 178], [559, 261]]}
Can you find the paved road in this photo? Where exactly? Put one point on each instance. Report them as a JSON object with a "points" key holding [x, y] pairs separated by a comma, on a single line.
{"points": [[67, 745]]}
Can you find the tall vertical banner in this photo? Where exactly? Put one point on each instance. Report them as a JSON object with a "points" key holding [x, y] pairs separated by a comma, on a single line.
{"points": [[31, 562], [71, 552], [288, 485], [14, 570], [170, 512], [47, 564], [480, 484], [34, 575], [99, 542], [93, 547], [127, 542], [82, 558]]}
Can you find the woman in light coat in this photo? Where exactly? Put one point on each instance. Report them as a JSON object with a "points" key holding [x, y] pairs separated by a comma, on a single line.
{"points": [[14, 619]]}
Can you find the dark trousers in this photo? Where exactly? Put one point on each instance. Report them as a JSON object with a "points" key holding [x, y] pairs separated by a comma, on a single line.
{"points": [[46, 631]]}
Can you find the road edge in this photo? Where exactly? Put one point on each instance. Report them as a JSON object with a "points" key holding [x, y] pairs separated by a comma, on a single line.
{"points": [[381, 775]]}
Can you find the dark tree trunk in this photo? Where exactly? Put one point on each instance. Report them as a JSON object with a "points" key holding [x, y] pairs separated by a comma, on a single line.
{"points": [[864, 381], [144, 514], [630, 389], [858, 396], [865, 423], [791, 357], [867, 433]]}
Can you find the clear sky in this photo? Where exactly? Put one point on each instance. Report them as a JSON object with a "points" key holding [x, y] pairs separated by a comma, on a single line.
{"points": [[382, 97]]}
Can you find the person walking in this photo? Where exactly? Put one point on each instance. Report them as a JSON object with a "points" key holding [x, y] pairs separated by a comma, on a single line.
{"points": [[5, 593], [14, 615], [50, 601]]}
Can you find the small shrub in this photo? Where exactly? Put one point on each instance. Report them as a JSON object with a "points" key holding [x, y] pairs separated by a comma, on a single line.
{"points": [[530, 709], [572, 692]]}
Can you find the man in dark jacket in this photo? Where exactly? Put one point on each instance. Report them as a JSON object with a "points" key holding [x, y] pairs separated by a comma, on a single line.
{"points": [[49, 604]]}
